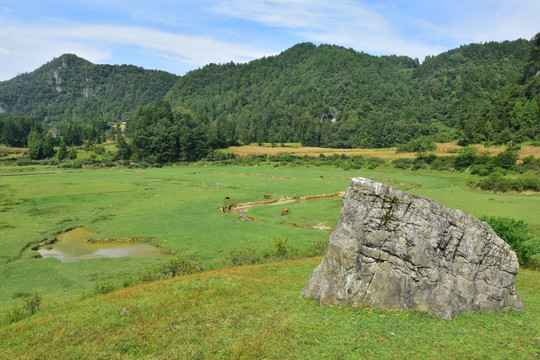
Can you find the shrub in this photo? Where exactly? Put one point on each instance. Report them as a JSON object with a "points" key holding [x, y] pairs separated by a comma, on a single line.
{"points": [[179, 265], [373, 162], [418, 145], [98, 149], [442, 163], [280, 251], [517, 235], [531, 163], [317, 248], [402, 163], [72, 165], [72, 154], [246, 256], [481, 169], [506, 159], [25, 162], [105, 288], [466, 158], [496, 182], [32, 304]]}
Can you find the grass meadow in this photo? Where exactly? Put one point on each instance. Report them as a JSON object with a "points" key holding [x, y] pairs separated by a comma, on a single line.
{"points": [[241, 312], [255, 312]]}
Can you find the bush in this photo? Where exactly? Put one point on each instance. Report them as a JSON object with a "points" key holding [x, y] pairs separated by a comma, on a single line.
{"points": [[25, 162], [72, 155], [418, 145], [506, 159], [317, 248], [280, 251], [496, 182], [105, 288], [466, 158], [402, 163], [72, 165], [517, 235], [480, 169], [373, 162], [98, 149], [442, 163], [531, 163], [32, 304], [247, 256], [179, 265]]}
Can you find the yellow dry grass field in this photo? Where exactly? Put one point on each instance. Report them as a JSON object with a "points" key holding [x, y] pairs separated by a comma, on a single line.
{"points": [[443, 149]]}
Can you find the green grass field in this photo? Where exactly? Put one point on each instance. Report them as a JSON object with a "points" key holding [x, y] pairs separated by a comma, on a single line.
{"points": [[177, 209], [255, 312]]}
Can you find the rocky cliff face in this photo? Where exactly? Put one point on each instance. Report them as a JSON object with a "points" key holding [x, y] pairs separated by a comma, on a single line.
{"points": [[399, 251]]}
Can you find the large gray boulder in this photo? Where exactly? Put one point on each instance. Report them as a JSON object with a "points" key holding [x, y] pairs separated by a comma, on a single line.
{"points": [[400, 251]]}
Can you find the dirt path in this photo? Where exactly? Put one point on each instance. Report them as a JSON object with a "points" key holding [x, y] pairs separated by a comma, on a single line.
{"points": [[243, 208]]}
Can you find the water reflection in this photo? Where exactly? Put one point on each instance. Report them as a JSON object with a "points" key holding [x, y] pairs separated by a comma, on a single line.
{"points": [[72, 247]]}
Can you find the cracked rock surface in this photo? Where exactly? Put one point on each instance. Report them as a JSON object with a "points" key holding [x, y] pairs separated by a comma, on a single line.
{"points": [[400, 251]]}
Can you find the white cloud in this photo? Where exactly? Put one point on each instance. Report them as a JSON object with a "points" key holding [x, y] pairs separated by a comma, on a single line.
{"points": [[415, 29], [194, 34], [30, 46], [344, 22]]}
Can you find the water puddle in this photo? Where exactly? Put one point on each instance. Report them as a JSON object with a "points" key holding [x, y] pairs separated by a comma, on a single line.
{"points": [[71, 246]]}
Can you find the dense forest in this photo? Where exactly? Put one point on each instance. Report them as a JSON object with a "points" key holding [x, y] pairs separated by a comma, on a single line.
{"points": [[322, 95], [316, 95], [72, 89], [335, 97]]}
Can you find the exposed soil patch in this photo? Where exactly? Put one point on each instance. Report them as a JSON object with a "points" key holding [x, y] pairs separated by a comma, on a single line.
{"points": [[318, 227], [238, 207]]}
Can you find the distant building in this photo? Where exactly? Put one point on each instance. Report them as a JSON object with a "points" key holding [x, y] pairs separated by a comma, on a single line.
{"points": [[54, 133], [118, 124]]}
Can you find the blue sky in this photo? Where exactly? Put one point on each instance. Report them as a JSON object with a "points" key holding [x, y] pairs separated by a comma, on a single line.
{"points": [[179, 36]]}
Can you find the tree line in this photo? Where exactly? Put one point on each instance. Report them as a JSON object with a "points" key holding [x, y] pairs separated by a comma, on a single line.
{"points": [[324, 95]]}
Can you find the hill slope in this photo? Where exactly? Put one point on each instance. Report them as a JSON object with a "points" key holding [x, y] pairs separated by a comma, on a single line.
{"points": [[335, 97], [317, 95], [322, 95], [255, 312], [70, 87]]}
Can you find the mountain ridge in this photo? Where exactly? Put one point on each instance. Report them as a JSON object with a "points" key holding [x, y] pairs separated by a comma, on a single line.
{"points": [[317, 95]]}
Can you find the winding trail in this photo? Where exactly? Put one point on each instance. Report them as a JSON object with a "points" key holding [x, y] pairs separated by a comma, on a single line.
{"points": [[242, 208]]}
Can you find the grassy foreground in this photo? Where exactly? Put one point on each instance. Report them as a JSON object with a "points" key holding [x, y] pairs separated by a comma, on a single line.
{"points": [[255, 312]]}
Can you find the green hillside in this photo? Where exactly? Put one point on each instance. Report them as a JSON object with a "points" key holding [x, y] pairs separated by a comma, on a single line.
{"points": [[475, 90], [331, 96], [316, 95], [324, 95], [70, 87]]}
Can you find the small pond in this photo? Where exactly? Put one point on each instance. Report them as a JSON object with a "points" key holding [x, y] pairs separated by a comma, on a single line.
{"points": [[71, 246]]}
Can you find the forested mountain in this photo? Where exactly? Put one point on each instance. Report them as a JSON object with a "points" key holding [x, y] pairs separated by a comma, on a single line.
{"points": [[336, 97], [71, 88], [317, 95], [322, 95], [476, 90]]}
